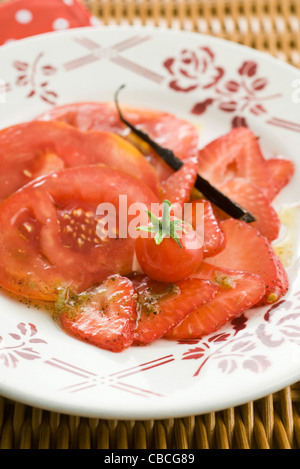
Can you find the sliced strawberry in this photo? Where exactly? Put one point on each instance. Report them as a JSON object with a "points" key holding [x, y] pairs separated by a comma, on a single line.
{"points": [[236, 154], [162, 306], [237, 292], [247, 250], [178, 187], [104, 316], [200, 214], [282, 171], [253, 199]]}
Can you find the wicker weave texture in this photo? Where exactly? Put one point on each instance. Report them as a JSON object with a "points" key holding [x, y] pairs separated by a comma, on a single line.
{"points": [[267, 25], [269, 423]]}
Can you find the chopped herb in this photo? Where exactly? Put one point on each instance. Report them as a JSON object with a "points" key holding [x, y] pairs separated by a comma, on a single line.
{"points": [[148, 301], [224, 280]]}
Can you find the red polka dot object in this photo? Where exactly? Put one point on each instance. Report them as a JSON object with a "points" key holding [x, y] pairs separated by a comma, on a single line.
{"points": [[23, 18]]}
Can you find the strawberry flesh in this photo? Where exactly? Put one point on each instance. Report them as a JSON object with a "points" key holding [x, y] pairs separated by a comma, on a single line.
{"points": [[236, 292], [162, 306], [247, 250], [236, 154], [178, 187], [200, 214], [255, 201], [104, 316], [282, 171]]}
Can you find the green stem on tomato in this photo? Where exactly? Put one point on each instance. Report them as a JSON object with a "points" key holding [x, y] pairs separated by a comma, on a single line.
{"points": [[164, 227]]}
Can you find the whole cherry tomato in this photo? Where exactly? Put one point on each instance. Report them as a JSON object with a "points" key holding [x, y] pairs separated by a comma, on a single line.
{"points": [[168, 249]]}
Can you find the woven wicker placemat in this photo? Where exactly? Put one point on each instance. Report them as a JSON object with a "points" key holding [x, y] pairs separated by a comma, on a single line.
{"points": [[269, 423], [268, 25]]}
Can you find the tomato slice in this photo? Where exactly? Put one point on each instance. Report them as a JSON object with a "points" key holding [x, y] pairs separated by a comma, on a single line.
{"points": [[34, 149], [49, 236], [169, 131]]}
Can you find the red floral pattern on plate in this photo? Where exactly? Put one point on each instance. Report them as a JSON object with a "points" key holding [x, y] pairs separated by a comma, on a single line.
{"points": [[193, 69], [231, 355], [18, 346], [230, 349], [279, 325], [198, 69], [35, 77], [250, 344]]}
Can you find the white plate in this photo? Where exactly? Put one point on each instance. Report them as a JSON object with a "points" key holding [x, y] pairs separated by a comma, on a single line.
{"points": [[42, 366]]}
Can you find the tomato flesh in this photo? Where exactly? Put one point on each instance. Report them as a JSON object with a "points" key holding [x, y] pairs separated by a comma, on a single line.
{"points": [[167, 130], [78, 228], [35, 149], [48, 231]]}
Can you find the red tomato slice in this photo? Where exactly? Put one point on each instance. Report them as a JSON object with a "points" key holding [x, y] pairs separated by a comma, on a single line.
{"points": [[167, 130], [34, 149], [48, 231]]}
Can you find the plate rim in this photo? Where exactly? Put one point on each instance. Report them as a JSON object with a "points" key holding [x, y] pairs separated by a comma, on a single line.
{"points": [[17, 394], [153, 29]]}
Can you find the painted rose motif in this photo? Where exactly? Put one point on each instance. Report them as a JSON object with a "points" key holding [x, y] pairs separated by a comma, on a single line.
{"points": [[242, 350], [239, 94], [234, 95], [193, 69], [281, 327]]}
